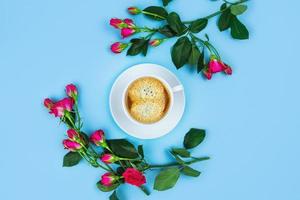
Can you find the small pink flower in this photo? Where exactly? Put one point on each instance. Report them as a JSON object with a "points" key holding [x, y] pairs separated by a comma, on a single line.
{"points": [[126, 32], [207, 73], [71, 91], [117, 23], [118, 47], [134, 10], [71, 145], [227, 69], [108, 179], [98, 138], [215, 65], [72, 134], [129, 23], [48, 103], [108, 158], [59, 108], [156, 42]]}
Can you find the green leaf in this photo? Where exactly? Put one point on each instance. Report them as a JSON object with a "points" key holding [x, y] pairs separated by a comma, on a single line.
{"points": [[181, 152], [238, 29], [113, 196], [181, 51], [141, 150], [175, 23], [190, 171], [178, 159], [167, 31], [122, 148], [107, 188], [139, 45], [198, 25], [71, 159], [193, 138], [145, 190], [223, 6], [224, 20], [166, 179], [201, 62], [238, 9], [156, 13], [194, 56], [166, 2]]}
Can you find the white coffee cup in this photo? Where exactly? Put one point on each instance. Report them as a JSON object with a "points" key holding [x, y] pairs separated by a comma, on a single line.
{"points": [[171, 91]]}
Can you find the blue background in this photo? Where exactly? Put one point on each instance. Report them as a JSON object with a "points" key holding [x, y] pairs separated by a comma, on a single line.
{"points": [[251, 118]]}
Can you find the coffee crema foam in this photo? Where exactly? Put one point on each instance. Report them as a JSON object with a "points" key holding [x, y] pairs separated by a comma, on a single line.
{"points": [[147, 100]]}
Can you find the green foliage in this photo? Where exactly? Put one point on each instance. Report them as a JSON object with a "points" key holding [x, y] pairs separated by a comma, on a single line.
{"points": [[238, 29], [193, 138], [167, 31], [188, 171], [71, 159], [166, 179], [139, 45], [181, 51], [198, 25], [113, 196], [176, 24], [156, 13], [123, 148], [107, 188], [181, 152], [238, 9], [166, 2]]}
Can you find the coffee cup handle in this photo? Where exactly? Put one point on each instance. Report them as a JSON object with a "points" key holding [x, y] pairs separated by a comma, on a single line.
{"points": [[177, 88]]}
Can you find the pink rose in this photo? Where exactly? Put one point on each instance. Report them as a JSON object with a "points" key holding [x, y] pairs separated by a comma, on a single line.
{"points": [[134, 177], [134, 10], [126, 32], [98, 138], [129, 22], [117, 23], [48, 103], [71, 145], [227, 69], [59, 108], [215, 65], [72, 134], [207, 74], [71, 91], [108, 179], [156, 42], [118, 47], [108, 158]]}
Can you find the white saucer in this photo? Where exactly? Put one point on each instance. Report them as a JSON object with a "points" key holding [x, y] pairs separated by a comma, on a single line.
{"points": [[138, 130]]}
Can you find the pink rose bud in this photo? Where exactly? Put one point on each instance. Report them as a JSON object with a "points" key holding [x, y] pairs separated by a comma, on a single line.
{"points": [[117, 23], [59, 108], [126, 32], [129, 23], [72, 134], [98, 138], [109, 158], [48, 103], [156, 42], [227, 69], [118, 47], [71, 145], [108, 179], [215, 65], [207, 74], [71, 91], [134, 10]]}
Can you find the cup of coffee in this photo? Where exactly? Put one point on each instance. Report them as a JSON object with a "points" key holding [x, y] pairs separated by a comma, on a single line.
{"points": [[148, 99]]}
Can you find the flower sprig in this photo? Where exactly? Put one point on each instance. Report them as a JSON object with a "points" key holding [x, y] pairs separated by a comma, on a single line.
{"points": [[188, 49], [121, 161]]}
